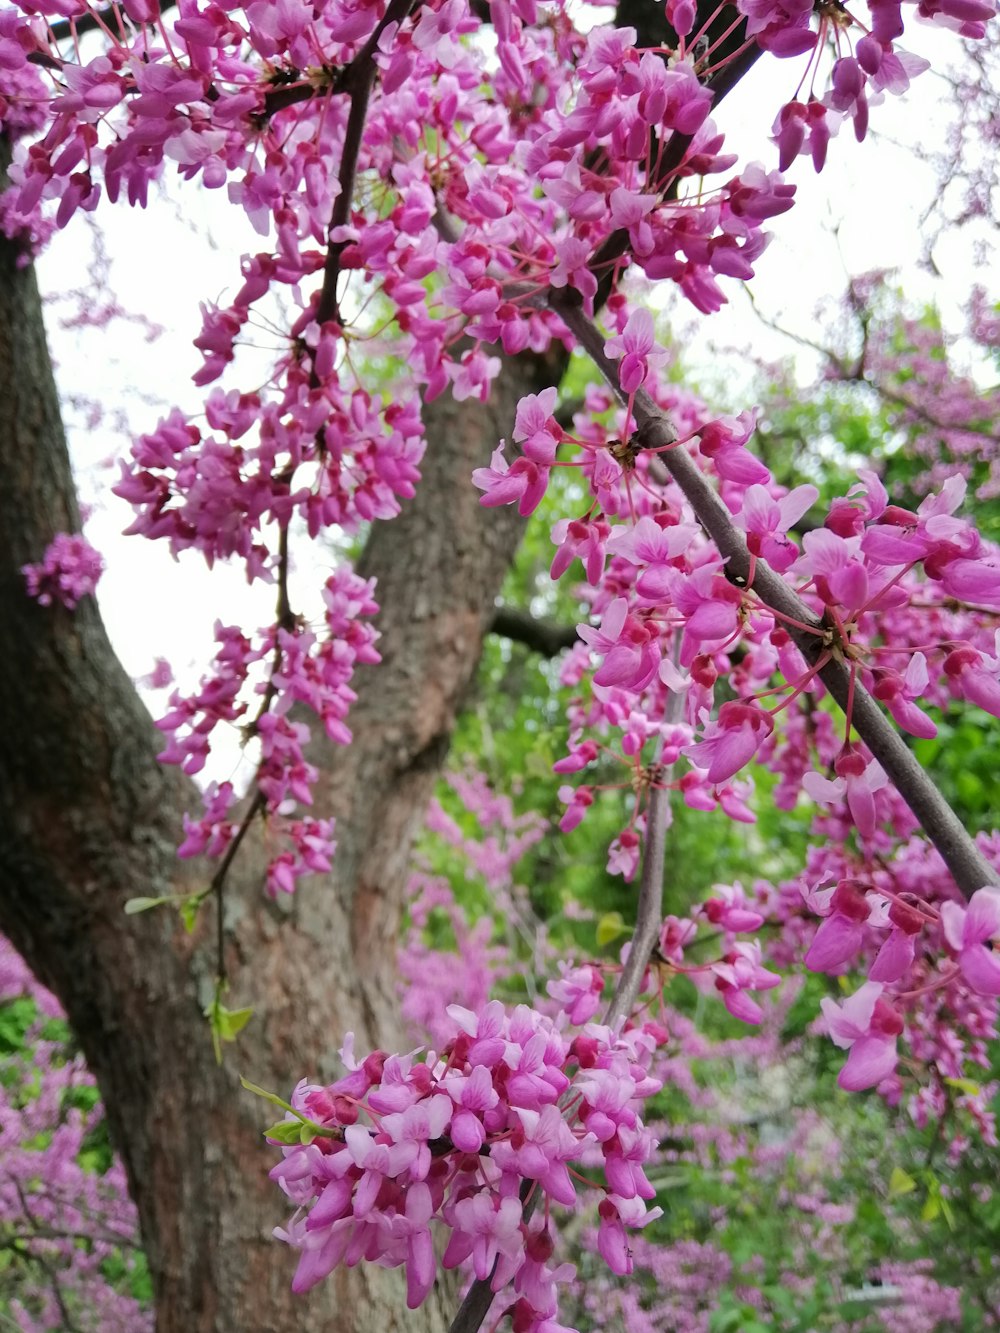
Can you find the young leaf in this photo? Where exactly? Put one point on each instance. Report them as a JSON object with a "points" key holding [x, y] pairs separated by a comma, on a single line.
{"points": [[900, 1183], [136, 905], [610, 926]]}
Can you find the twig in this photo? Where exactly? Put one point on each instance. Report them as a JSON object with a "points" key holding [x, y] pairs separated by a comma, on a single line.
{"points": [[357, 81], [615, 245], [969, 868], [649, 909], [47, 1268], [218, 882]]}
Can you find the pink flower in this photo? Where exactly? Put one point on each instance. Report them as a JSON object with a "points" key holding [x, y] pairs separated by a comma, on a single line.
{"points": [[636, 345], [471, 1094], [485, 1228], [840, 936], [534, 428], [612, 1242], [724, 441], [731, 741], [974, 933], [840, 576], [868, 1026], [765, 521], [623, 855], [899, 692], [525, 482], [857, 780], [630, 649], [676, 934], [413, 1226], [731, 909], [651, 544], [583, 538], [578, 991], [539, 1149], [739, 972], [975, 677], [68, 571]]}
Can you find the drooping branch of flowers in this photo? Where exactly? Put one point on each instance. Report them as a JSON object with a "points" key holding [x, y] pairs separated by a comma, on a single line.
{"points": [[966, 862], [476, 1137]]}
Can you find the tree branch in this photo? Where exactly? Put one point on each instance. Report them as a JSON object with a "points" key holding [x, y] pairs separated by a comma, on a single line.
{"points": [[542, 636], [357, 81], [649, 909], [968, 866]]}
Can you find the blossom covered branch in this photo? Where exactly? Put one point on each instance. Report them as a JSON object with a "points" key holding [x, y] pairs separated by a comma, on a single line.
{"points": [[563, 160]]}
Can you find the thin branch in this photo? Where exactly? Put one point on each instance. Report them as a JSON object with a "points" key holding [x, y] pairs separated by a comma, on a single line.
{"points": [[357, 81], [218, 882], [968, 866], [649, 912], [47, 1268], [649, 909]]}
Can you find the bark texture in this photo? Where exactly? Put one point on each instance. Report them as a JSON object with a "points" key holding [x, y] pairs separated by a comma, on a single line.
{"points": [[89, 819]]}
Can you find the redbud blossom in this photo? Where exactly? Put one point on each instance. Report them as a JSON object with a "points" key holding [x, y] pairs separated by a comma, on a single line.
{"points": [[974, 934], [868, 1026]]}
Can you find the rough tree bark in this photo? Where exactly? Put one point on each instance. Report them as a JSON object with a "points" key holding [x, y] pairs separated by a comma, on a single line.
{"points": [[89, 819]]}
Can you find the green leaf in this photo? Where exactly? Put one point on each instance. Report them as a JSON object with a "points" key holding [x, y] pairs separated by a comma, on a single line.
{"points": [[610, 926], [226, 1024], [299, 1130], [188, 910], [900, 1183], [287, 1131], [232, 1022], [136, 905], [271, 1097], [967, 1085]]}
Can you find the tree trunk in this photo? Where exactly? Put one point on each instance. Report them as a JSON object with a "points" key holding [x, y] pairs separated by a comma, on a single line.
{"points": [[89, 819]]}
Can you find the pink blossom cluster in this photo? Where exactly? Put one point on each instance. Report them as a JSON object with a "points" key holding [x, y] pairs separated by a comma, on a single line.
{"points": [[908, 596], [483, 208], [931, 982], [287, 667], [480, 1142], [654, 579], [62, 1222], [68, 571]]}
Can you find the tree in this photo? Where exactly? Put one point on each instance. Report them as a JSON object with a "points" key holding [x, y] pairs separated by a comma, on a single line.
{"points": [[415, 160]]}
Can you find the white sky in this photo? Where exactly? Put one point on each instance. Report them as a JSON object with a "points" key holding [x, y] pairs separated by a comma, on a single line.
{"points": [[187, 249]]}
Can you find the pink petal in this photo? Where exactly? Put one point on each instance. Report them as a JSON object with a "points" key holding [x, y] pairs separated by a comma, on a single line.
{"points": [[834, 944], [982, 920], [419, 1268], [981, 969], [741, 1006], [871, 1060], [953, 923], [894, 957]]}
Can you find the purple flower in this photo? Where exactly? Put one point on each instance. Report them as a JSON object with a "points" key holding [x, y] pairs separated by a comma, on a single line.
{"points": [[636, 345], [974, 933], [868, 1026]]}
